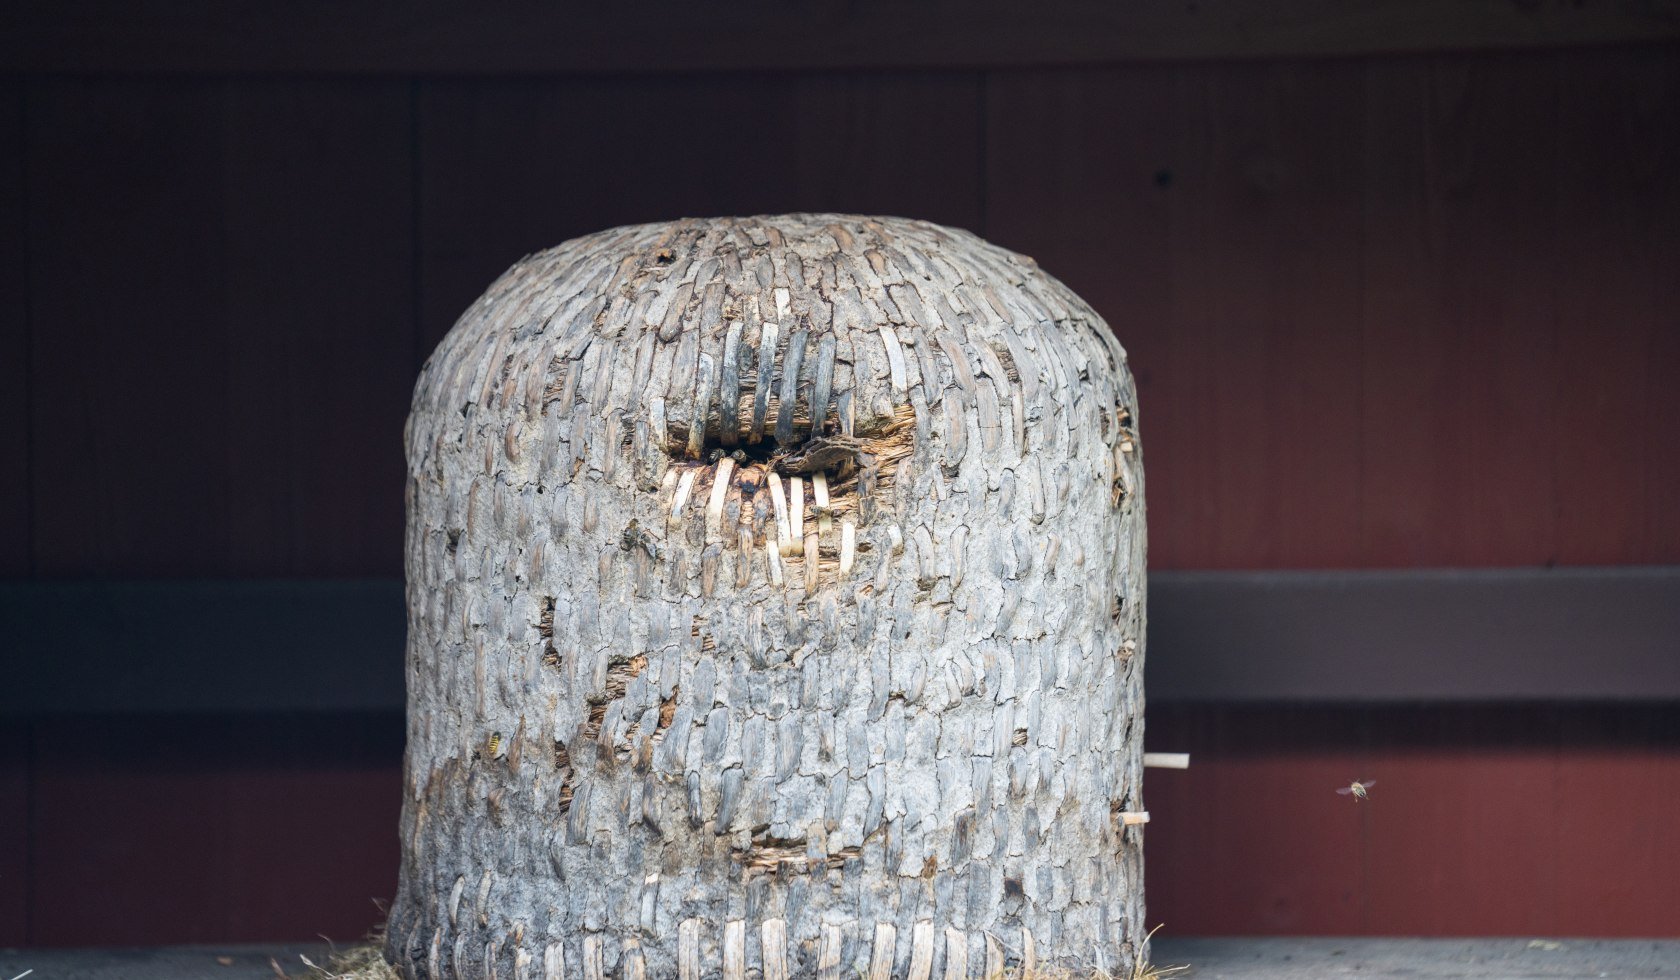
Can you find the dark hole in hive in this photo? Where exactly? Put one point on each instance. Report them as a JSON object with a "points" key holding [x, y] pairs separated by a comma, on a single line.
{"points": [[563, 765], [788, 854], [545, 629]]}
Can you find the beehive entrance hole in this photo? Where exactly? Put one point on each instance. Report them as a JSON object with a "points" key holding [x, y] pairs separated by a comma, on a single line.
{"points": [[875, 443]]}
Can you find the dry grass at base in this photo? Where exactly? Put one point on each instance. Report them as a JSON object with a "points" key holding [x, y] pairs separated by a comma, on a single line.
{"points": [[356, 963]]}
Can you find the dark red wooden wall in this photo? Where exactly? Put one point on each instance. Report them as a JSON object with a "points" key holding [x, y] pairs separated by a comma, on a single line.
{"points": [[1385, 311]]}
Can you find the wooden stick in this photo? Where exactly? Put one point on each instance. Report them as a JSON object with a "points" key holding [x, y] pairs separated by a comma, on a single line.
{"points": [[848, 546], [1167, 760], [828, 953], [819, 492], [685, 486], [592, 969], [881, 960], [688, 950], [921, 952], [720, 488], [773, 938], [956, 954], [774, 554], [780, 500], [735, 950], [635, 967], [994, 958], [796, 508], [1131, 818]]}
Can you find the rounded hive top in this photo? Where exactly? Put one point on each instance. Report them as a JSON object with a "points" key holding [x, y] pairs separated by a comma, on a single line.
{"points": [[807, 324]]}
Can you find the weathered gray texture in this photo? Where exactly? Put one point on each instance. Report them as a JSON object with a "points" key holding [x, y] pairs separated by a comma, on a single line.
{"points": [[852, 699]]}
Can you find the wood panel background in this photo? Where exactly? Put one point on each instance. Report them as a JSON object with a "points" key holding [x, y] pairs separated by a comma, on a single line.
{"points": [[1385, 311], [1400, 312]]}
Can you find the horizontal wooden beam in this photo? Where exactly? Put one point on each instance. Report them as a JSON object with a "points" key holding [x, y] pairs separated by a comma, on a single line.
{"points": [[433, 37], [1578, 634], [189, 646], [1571, 634]]}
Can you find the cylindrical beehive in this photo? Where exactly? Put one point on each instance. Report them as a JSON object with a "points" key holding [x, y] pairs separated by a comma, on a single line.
{"points": [[776, 606]]}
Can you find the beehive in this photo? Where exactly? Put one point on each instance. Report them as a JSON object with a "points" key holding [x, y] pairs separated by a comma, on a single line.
{"points": [[776, 607]]}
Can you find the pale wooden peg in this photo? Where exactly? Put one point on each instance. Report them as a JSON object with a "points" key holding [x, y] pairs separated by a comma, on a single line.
{"points": [[720, 489], [635, 967], [592, 968], [881, 959], [796, 508], [735, 950], [848, 546], [773, 939], [774, 555], [828, 953], [1167, 760], [956, 954], [819, 493], [688, 950], [994, 958], [780, 500], [685, 486], [1131, 818], [921, 952]]}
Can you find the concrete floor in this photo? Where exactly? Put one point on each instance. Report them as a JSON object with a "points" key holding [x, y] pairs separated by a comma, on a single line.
{"points": [[1208, 959]]}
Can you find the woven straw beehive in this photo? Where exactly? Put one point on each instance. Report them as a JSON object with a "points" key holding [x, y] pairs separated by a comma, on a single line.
{"points": [[776, 606]]}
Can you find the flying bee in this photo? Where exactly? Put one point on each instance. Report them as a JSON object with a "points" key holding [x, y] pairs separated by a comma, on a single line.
{"points": [[635, 536], [1357, 788], [497, 745]]}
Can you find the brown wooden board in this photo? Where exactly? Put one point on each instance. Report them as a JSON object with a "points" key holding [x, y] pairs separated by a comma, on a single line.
{"points": [[1458, 402], [128, 309], [509, 167], [1405, 635], [1484, 820], [222, 309], [1264, 251], [1407, 312], [173, 647], [319, 198], [14, 338], [457, 37], [1616, 445], [212, 828], [14, 833]]}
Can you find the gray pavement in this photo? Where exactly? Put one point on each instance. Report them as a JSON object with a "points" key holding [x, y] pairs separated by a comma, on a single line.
{"points": [[1551, 958], [1208, 959]]}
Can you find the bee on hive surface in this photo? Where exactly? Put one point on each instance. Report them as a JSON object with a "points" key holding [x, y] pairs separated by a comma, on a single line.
{"points": [[497, 746], [1357, 788], [635, 536]]}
